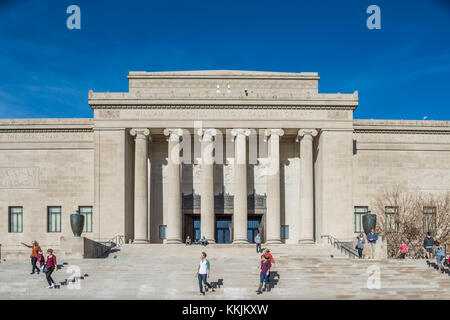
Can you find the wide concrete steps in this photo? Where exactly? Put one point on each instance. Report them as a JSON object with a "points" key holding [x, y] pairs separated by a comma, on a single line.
{"points": [[167, 272]]}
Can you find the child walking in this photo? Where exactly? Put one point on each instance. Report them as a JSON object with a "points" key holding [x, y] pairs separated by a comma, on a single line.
{"points": [[41, 260], [402, 250]]}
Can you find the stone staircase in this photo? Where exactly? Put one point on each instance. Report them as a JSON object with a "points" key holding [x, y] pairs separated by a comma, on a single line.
{"points": [[167, 272]]}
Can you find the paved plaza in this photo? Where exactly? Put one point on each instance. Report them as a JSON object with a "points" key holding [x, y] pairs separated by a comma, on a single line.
{"points": [[167, 272]]}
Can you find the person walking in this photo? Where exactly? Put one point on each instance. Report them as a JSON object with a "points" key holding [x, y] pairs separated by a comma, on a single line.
{"points": [[264, 273], [266, 253], [41, 260], [428, 243], [34, 255], [258, 242], [372, 238], [360, 244], [439, 253], [50, 266], [402, 250], [203, 273]]}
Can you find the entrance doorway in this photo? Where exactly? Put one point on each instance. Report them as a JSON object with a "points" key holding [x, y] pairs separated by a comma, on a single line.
{"points": [[196, 228], [253, 227], [223, 230]]}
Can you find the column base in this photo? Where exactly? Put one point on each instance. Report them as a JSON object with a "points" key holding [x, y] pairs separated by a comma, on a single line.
{"points": [[173, 241], [273, 241], [306, 241], [240, 241], [140, 241], [211, 241]]}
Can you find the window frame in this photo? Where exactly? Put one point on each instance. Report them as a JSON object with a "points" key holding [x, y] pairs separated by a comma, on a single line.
{"points": [[359, 215], [91, 213], [10, 229], [427, 216], [388, 221], [49, 220]]}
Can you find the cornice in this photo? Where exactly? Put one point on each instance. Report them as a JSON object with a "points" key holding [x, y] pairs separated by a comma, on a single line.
{"points": [[46, 130], [401, 131], [231, 107]]}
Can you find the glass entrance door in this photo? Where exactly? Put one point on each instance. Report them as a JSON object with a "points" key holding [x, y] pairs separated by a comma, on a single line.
{"points": [[196, 228], [223, 230], [252, 228]]}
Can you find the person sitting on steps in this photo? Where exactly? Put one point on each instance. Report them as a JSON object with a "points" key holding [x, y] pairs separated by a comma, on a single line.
{"points": [[203, 241]]}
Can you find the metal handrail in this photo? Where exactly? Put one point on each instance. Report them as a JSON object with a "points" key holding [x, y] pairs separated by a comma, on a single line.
{"points": [[352, 253], [116, 241]]}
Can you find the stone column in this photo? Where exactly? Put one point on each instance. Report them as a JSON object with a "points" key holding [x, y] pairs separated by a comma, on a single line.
{"points": [[240, 185], [207, 184], [140, 184], [273, 219], [306, 185], [174, 217]]}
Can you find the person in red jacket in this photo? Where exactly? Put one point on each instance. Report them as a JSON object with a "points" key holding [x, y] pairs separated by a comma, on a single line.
{"points": [[268, 255], [50, 266]]}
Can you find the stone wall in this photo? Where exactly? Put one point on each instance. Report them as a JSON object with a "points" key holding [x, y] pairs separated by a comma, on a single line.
{"points": [[411, 154], [44, 162]]}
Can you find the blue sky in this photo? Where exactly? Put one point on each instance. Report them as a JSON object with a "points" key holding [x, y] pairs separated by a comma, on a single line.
{"points": [[401, 71]]}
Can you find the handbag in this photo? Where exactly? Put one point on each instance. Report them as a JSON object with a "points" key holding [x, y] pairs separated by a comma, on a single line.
{"points": [[47, 269]]}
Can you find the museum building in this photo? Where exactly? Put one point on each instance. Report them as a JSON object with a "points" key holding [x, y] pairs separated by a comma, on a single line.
{"points": [[221, 154]]}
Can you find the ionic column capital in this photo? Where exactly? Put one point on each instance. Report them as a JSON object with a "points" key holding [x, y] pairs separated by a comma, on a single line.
{"points": [[307, 132], [174, 134], [140, 133], [270, 132], [206, 134], [240, 133]]}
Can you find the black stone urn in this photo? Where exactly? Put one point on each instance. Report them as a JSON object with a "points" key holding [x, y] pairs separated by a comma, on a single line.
{"points": [[369, 222], [77, 223]]}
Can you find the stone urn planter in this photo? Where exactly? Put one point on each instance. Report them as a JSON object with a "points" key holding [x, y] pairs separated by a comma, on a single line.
{"points": [[369, 222], [77, 223]]}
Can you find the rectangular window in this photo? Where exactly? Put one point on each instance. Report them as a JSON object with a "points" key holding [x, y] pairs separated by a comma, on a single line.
{"points": [[88, 221], [285, 232], [162, 231], [54, 219], [359, 211], [391, 215], [15, 217], [429, 219]]}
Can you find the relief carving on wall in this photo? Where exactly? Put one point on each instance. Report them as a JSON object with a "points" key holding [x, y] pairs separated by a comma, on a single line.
{"points": [[190, 113], [46, 136], [109, 114], [19, 178]]}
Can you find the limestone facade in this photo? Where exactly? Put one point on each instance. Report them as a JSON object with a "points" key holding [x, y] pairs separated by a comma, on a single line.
{"points": [[214, 153]]}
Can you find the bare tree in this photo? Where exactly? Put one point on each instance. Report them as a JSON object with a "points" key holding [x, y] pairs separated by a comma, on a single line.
{"points": [[400, 216]]}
